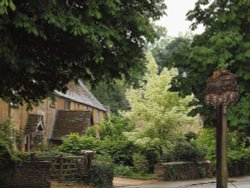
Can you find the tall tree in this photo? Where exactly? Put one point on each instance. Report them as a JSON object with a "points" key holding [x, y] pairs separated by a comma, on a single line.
{"points": [[114, 95], [163, 51], [225, 44], [160, 114], [45, 44]]}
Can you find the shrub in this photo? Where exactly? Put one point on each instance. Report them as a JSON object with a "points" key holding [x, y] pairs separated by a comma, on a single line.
{"points": [[104, 158], [151, 155], [74, 143], [99, 175], [191, 136], [185, 151], [8, 157], [111, 128], [140, 163], [239, 162], [122, 170], [207, 141], [121, 151]]}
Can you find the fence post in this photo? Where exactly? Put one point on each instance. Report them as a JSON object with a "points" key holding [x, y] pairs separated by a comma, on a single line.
{"points": [[60, 169]]}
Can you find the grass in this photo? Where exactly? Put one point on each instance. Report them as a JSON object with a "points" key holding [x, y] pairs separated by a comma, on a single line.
{"points": [[142, 176]]}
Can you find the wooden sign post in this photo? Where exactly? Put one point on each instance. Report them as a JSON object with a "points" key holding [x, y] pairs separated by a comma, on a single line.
{"points": [[221, 90]]}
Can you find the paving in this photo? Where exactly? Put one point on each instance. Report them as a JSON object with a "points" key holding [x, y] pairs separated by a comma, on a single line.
{"points": [[241, 182]]}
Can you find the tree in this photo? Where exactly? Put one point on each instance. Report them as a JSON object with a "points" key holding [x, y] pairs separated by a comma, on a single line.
{"points": [[163, 52], [114, 95], [46, 44], [224, 45], [159, 113]]}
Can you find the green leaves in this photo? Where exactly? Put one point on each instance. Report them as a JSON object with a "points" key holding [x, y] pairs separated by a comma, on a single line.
{"points": [[5, 4], [158, 113], [74, 143], [223, 45], [65, 40]]}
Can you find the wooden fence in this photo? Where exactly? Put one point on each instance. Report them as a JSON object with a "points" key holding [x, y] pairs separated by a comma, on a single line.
{"points": [[69, 168]]}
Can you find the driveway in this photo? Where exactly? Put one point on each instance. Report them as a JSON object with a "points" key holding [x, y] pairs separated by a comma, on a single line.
{"points": [[241, 182]]}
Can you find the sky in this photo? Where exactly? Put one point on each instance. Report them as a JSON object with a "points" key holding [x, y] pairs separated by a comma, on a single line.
{"points": [[175, 21]]}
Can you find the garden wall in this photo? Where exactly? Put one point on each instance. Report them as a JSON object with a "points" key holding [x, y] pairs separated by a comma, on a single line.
{"points": [[182, 170], [34, 174]]}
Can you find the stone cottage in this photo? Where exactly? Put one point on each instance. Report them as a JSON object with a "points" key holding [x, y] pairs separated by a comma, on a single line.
{"points": [[70, 112]]}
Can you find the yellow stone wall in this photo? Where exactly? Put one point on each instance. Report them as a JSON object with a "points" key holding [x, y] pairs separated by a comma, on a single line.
{"points": [[4, 111]]}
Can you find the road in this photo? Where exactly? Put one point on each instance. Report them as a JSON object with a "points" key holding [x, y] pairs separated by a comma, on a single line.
{"points": [[242, 182]]}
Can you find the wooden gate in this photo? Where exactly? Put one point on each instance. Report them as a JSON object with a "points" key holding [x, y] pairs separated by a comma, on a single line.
{"points": [[67, 168]]}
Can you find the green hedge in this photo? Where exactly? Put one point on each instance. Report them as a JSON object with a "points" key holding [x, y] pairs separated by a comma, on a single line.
{"points": [[239, 162], [99, 175]]}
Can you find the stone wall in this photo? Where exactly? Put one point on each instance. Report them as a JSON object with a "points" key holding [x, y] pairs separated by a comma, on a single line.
{"points": [[29, 175], [183, 170], [4, 111]]}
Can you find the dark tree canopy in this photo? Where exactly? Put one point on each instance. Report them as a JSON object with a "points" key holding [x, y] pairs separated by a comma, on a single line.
{"points": [[114, 95], [45, 44], [225, 44], [164, 55]]}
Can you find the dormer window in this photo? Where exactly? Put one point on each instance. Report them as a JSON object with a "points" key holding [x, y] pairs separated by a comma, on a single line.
{"points": [[40, 127]]}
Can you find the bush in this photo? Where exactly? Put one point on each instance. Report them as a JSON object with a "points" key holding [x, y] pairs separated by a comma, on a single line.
{"points": [[111, 128], [238, 156], [185, 151], [74, 143], [239, 162], [8, 157], [121, 151], [140, 163], [207, 140], [122, 170], [104, 158], [99, 175], [151, 155]]}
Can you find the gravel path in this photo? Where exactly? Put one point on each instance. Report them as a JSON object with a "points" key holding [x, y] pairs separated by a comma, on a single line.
{"points": [[120, 182]]}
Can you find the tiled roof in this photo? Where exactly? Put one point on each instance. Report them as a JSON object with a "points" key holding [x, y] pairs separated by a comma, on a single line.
{"points": [[81, 94], [67, 122]]}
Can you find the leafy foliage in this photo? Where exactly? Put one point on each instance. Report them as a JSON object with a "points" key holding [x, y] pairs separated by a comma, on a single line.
{"points": [[121, 170], [224, 45], [46, 44], [239, 162], [100, 175], [140, 163], [188, 151], [159, 113], [114, 95], [74, 143], [207, 140], [163, 52], [6, 5], [121, 151], [112, 128], [7, 155], [238, 155]]}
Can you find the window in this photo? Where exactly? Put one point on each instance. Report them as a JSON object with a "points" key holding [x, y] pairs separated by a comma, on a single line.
{"points": [[66, 105]]}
